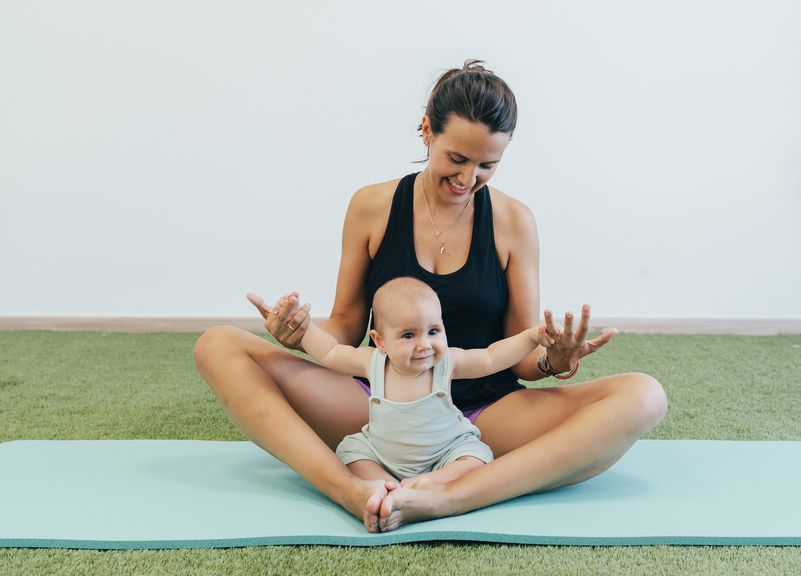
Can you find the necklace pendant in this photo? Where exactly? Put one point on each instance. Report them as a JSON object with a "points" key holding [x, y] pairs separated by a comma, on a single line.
{"points": [[441, 248]]}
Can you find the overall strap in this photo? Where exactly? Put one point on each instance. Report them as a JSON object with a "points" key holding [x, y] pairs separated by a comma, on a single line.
{"points": [[377, 365], [441, 371]]}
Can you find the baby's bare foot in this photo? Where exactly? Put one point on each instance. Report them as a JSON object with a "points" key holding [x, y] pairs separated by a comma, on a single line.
{"points": [[366, 501], [372, 509], [406, 505]]}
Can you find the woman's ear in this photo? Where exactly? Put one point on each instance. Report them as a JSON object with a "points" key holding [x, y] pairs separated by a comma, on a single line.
{"points": [[379, 341], [425, 130]]}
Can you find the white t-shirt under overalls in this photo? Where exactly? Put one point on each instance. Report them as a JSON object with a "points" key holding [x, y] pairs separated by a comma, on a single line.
{"points": [[411, 438]]}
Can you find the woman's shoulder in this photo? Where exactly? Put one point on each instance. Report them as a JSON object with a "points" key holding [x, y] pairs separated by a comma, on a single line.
{"points": [[368, 213], [374, 198], [511, 213], [515, 228]]}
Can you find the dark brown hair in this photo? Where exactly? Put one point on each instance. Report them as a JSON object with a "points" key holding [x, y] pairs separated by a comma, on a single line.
{"points": [[475, 94]]}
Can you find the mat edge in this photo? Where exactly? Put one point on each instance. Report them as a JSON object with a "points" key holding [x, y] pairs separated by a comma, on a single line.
{"points": [[392, 539]]}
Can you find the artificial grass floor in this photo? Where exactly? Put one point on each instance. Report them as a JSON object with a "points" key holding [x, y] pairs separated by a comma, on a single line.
{"points": [[60, 385]]}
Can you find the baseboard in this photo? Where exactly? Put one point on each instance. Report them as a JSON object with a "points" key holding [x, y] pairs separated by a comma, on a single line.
{"points": [[741, 326], [125, 323], [745, 326]]}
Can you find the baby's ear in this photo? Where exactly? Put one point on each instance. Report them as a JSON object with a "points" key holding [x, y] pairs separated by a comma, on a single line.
{"points": [[379, 341]]}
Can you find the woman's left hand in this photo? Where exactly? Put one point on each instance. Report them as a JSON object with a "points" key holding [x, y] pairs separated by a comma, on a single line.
{"points": [[569, 346]]}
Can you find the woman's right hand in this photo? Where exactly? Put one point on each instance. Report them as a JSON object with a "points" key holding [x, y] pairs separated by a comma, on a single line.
{"points": [[286, 320]]}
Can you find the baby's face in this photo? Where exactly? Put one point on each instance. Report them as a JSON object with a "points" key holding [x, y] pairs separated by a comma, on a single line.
{"points": [[413, 336]]}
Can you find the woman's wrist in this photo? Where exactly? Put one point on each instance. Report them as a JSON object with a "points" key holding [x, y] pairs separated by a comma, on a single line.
{"points": [[558, 364], [546, 368]]}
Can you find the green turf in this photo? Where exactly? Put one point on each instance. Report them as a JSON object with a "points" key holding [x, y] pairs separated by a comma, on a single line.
{"points": [[59, 385]]}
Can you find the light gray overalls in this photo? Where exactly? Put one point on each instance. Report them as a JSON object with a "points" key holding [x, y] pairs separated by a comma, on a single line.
{"points": [[411, 438]]}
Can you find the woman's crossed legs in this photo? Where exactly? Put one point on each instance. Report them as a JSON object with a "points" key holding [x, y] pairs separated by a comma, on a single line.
{"points": [[542, 438]]}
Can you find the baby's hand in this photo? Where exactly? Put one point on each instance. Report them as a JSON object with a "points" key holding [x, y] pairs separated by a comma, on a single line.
{"points": [[539, 335]]}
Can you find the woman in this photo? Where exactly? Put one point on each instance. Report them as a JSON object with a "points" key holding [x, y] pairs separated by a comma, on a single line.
{"points": [[478, 248]]}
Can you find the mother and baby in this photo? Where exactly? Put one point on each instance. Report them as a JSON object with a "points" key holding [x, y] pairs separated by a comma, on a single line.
{"points": [[430, 420]]}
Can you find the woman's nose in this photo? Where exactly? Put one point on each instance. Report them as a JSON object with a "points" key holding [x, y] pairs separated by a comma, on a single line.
{"points": [[469, 176]]}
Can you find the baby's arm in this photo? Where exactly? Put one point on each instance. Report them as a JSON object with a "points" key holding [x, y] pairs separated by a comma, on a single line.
{"points": [[500, 355], [342, 358]]}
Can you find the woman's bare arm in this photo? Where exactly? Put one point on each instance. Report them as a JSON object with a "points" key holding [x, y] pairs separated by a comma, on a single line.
{"points": [[516, 235]]}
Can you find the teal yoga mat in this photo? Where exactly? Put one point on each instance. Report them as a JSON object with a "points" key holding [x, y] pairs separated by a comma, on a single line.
{"points": [[191, 494]]}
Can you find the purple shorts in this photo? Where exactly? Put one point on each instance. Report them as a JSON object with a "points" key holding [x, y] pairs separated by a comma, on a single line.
{"points": [[469, 414]]}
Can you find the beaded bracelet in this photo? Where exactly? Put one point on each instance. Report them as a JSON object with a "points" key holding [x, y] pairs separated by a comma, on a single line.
{"points": [[545, 368]]}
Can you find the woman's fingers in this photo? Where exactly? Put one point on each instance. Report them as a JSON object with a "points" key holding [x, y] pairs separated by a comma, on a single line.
{"points": [[285, 306], [260, 304], [296, 326], [296, 319], [570, 346], [604, 338], [549, 322], [282, 319], [584, 323], [568, 329]]}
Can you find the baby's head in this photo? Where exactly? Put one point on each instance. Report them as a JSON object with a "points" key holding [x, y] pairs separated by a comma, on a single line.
{"points": [[408, 325]]}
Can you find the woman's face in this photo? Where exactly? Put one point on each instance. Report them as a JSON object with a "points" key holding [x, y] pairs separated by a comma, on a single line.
{"points": [[461, 159]]}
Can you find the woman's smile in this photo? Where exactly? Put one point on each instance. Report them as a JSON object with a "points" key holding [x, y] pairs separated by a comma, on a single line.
{"points": [[455, 188]]}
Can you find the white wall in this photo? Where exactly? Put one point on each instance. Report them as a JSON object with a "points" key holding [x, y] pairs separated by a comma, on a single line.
{"points": [[162, 158]]}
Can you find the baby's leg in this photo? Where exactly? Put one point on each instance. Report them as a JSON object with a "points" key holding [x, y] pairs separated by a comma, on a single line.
{"points": [[451, 471], [371, 470]]}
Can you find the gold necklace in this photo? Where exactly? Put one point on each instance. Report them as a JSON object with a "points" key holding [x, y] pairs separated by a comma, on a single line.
{"points": [[437, 232]]}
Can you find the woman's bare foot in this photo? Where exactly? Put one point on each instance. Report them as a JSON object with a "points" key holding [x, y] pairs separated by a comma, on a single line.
{"points": [[405, 505], [365, 502]]}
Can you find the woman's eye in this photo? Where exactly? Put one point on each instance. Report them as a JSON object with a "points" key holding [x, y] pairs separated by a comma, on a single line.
{"points": [[462, 161]]}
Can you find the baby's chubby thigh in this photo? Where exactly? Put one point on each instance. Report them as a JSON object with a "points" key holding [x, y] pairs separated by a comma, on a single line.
{"points": [[360, 453], [464, 454], [355, 447], [465, 448]]}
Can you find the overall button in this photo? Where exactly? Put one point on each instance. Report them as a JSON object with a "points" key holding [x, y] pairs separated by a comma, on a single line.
{"points": [[376, 400], [441, 393]]}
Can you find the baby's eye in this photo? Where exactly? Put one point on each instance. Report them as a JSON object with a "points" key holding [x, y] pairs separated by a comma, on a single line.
{"points": [[433, 332], [407, 335]]}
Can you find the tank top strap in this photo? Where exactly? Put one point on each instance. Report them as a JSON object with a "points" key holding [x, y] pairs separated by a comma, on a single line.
{"points": [[441, 371], [377, 365], [483, 229]]}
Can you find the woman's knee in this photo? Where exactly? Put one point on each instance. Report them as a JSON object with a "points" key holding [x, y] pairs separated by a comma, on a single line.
{"points": [[213, 344], [647, 400]]}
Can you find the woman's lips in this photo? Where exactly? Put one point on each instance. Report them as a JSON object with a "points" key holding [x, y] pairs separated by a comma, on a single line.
{"points": [[460, 191]]}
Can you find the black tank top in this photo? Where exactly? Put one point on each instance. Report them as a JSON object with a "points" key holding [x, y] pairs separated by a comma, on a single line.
{"points": [[473, 298]]}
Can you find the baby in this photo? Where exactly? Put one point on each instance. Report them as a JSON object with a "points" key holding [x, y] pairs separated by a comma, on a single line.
{"points": [[415, 431]]}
